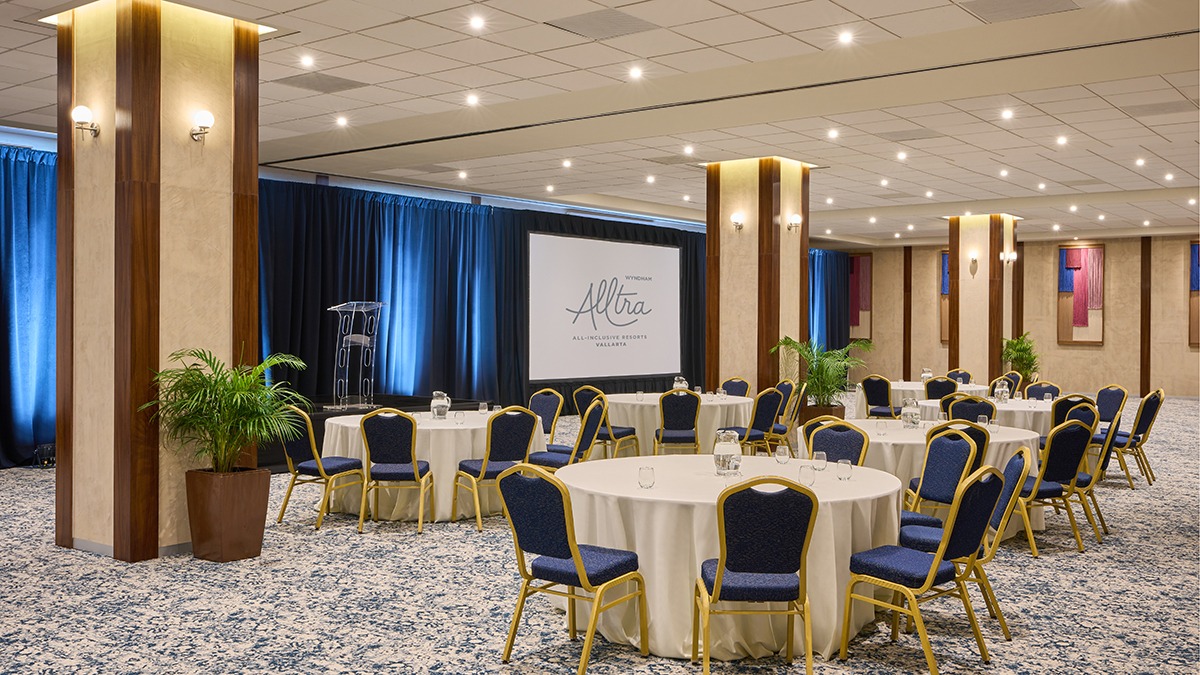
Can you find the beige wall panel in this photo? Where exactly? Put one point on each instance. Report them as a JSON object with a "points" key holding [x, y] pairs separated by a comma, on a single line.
{"points": [[886, 318], [790, 172], [1086, 368], [928, 351], [739, 272], [196, 277], [95, 171], [973, 295], [1174, 366]]}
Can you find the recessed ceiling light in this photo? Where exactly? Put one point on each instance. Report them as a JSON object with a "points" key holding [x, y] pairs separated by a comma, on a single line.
{"points": [[910, 227], [1003, 173], [306, 61], [967, 213], [1145, 223], [828, 231], [1192, 201], [1006, 114], [1100, 217], [845, 37], [929, 194], [1140, 162], [1061, 140], [549, 188], [342, 121], [1056, 227], [476, 22], [1074, 208], [901, 155], [462, 174], [687, 149], [829, 200], [897, 235], [635, 73], [872, 220], [472, 99], [1169, 176], [649, 179], [687, 198], [832, 133], [883, 182], [1076, 238], [1041, 186], [566, 163]]}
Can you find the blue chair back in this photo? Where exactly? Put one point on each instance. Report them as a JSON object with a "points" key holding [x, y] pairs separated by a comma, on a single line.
{"points": [[304, 448], [1110, 437], [1060, 407], [1038, 390], [1014, 381], [389, 436], [766, 409], [785, 387], [736, 386], [1015, 472], [679, 409], [960, 376], [589, 428], [510, 433], [1147, 412], [1109, 402], [938, 387], [970, 513], [536, 506], [546, 404], [969, 408], [840, 440], [811, 425], [951, 398], [976, 433], [1065, 447], [948, 457], [765, 532], [583, 397], [878, 390], [1084, 412]]}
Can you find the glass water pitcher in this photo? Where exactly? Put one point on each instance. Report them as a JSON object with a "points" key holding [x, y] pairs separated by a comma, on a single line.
{"points": [[440, 405]]}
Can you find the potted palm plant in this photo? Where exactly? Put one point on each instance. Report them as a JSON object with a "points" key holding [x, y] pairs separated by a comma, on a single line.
{"points": [[825, 377], [216, 411], [1021, 355]]}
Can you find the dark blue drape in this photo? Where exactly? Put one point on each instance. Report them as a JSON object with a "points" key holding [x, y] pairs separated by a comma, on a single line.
{"points": [[829, 301], [945, 274], [1195, 268], [27, 303], [1066, 277]]}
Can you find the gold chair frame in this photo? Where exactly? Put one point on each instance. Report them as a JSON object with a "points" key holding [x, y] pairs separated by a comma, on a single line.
{"points": [[1069, 490], [874, 376], [423, 484], [791, 417], [529, 584], [616, 444], [938, 379], [833, 423], [326, 479], [659, 445], [586, 454], [1089, 491], [1135, 448], [765, 443], [970, 399], [475, 483], [970, 377], [557, 412], [738, 379], [912, 499]]}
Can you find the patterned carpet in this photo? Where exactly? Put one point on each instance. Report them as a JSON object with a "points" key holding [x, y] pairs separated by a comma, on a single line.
{"points": [[393, 601]]}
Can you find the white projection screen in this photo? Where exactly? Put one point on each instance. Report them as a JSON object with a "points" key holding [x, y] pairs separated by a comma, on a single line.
{"points": [[601, 308]]}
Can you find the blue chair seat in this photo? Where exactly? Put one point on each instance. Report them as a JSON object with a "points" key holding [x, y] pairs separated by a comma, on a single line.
{"points": [[1042, 442], [779, 429], [883, 410], [745, 434], [914, 483], [675, 436], [333, 465], [900, 565], [397, 471], [617, 433], [750, 586], [1120, 438], [600, 564], [1083, 480], [556, 460], [1045, 490], [921, 538], [474, 466], [557, 447], [913, 518]]}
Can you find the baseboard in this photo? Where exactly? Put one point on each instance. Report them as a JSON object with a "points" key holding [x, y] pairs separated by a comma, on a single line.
{"points": [[107, 550]]}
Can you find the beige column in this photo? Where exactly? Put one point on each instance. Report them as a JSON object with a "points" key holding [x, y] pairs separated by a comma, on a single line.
{"points": [[984, 291]]}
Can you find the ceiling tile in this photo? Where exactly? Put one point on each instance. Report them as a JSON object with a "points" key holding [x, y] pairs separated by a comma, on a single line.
{"points": [[475, 50], [413, 34], [924, 22], [724, 30], [577, 81], [653, 43], [588, 55], [769, 48], [347, 15], [699, 60], [358, 47], [798, 16], [528, 66], [474, 76], [540, 11], [419, 62], [537, 38]]}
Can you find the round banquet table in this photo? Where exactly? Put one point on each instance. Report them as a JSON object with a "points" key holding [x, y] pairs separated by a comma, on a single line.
{"points": [[1033, 415], [442, 443], [902, 389], [625, 410], [673, 528]]}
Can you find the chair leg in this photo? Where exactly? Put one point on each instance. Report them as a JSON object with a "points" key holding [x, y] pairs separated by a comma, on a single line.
{"points": [[846, 619], [1124, 467], [1087, 512], [643, 616], [1023, 510], [928, 648], [966, 600], [516, 620], [420, 505], [896, 616], [791, 628], [571, 630], [362, 506], [286, 496], [478, 511], [1099, 513], [324, 504], [590, 635], [454, 499], [706, 629], [432, 499], [695, 623], [989, 596], [1074, 525], [808, 646]]}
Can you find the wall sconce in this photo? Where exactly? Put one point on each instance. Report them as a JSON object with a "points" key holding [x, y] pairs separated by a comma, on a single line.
{"points": [[203, 120], [739, 220], [975, 257], [1008, 257], [81, 115], [794, 221]]}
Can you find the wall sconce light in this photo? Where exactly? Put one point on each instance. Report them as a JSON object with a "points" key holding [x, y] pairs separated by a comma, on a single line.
{"points": [[1008, 257], [794, 221], [739, 220], [203, 120], [81, 115], [974, 257]]}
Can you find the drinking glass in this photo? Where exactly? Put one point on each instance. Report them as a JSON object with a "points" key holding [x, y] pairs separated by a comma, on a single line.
{"points": [[483, 408], [808, 475], [993, 425], [782, 454], [640, 395], [459, 418], [1017, 396], [943, 417], [646, 477], [496, 408], [844, 469], [819, 460], [982, 420], [721, 393], [881, 428], [1047, 397], [735, 465], [699, 389]]}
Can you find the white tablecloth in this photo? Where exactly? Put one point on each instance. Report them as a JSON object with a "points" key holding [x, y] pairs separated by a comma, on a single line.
{"points": [[625, 410], [673, 528], [1024, 414], [902, 389], [442, 443]]}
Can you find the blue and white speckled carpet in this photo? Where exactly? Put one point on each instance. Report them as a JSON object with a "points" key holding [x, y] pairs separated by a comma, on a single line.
{"points": [[392, 601]]}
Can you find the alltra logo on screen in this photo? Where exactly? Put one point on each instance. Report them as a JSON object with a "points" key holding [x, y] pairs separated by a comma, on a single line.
{"points": [[612, 302]]}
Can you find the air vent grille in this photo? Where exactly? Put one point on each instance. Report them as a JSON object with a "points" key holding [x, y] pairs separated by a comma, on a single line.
{"points": [[995, 11], [602, 24], [326, 84]]}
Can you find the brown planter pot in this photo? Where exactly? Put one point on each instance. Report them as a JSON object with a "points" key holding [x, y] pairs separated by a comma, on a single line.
{"points": [[227, 512], [809, 412]]}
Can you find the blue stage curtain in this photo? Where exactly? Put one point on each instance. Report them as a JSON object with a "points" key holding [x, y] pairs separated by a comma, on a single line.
{"points": [[1195, 268], [829, 299], [27, 302], [945, 274]]}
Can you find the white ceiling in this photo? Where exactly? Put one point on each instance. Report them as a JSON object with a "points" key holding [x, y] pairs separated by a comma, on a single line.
{"points": [[1120, 79]]}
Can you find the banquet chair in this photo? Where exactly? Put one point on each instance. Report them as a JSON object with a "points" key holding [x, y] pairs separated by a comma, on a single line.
{"points": [[1091, 473], [960, 376], [736, 386], [785, 387], [945, 401], [1132, 442], [1086, 413], [610, 436], [1059, 409], [969, 408], [878, 390], [839, 440], [1038, 390], [306, 465], [915, 576], [977, 433], [589, 429], [547, 404], [762, 420], [538, 509], [811, 425], [938, 387], [781, 432], [679, 417], [509, 437], [927, 538], [757, 564], [1057, 477], [1109, 401], [1014, 381], [389, 455], [949, 455]]}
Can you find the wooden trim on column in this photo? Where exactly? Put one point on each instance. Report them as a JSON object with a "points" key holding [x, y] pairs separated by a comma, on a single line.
{"points": [[1018, 290], [712, 277], [995, 330], [246, 346], [138, 120], [804, 290], [906, 325], [952, 355], [64, 351], [1144, 367], [769, 224]]}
